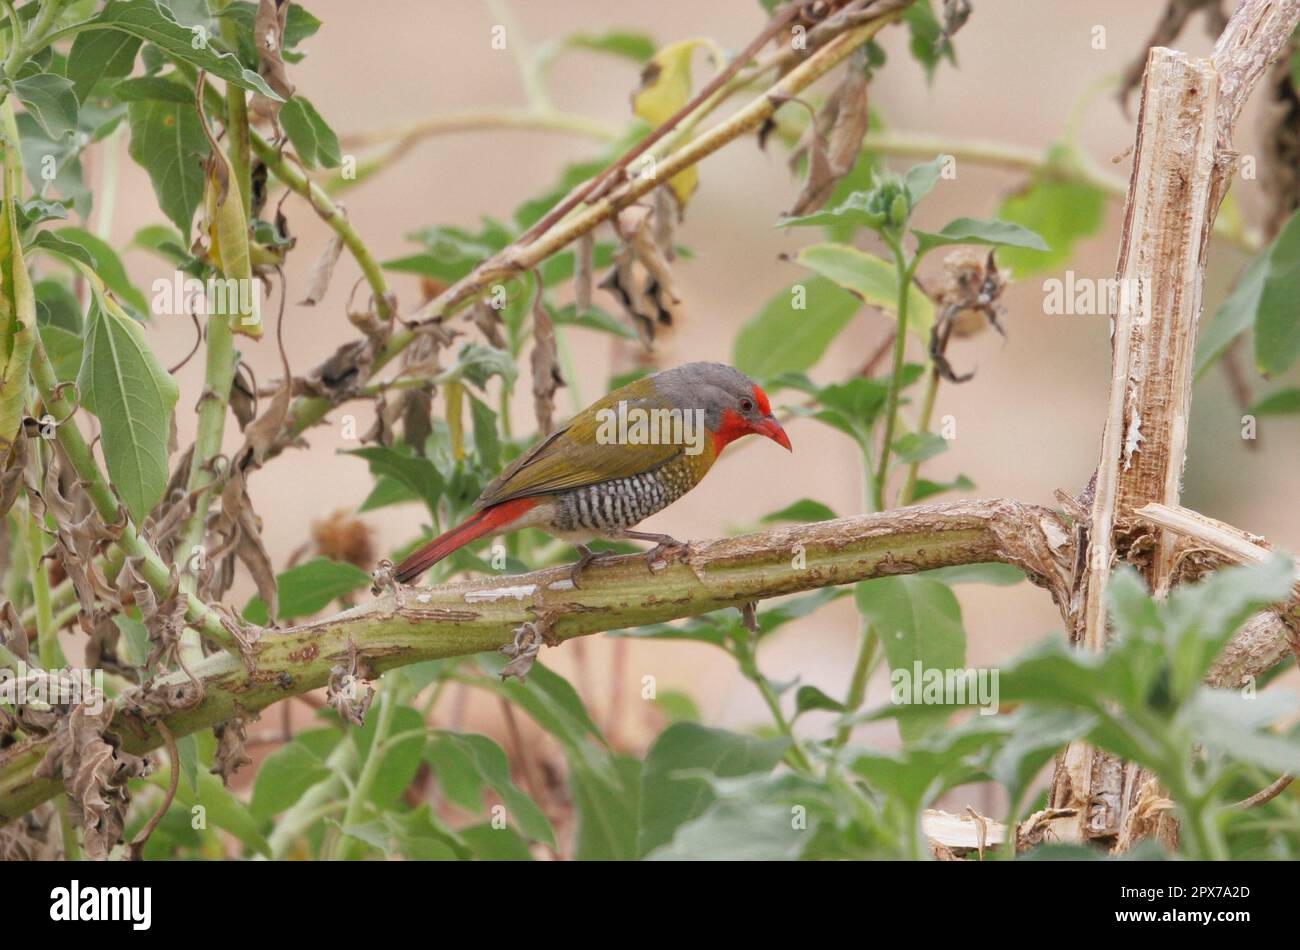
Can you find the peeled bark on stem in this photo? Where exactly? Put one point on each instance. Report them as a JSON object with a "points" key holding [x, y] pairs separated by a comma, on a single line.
{"points": [[415, 624]]}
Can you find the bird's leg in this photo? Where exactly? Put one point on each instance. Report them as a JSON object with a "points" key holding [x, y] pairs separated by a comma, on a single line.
{"points": [[664, 544], [585, 558]]}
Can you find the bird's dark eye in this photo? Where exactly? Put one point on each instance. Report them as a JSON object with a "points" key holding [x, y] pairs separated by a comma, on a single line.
{"points": [[746, 405]]}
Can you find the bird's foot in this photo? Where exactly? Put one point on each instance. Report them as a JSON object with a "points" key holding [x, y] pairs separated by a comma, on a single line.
{"points": [[586, 557], [666, 547]]}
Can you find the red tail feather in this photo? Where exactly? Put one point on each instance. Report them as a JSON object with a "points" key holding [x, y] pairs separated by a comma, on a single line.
{"points": [[485, 522]]}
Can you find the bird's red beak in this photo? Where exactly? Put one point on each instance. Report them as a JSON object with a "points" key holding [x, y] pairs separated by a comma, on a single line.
{"points": [[769, 427]]}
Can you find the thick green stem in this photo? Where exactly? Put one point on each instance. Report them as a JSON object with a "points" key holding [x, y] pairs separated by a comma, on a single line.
{"points": [[482, 614]]}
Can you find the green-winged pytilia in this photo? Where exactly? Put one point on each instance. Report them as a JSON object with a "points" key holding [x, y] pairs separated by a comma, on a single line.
{"points": [[621, 460]]}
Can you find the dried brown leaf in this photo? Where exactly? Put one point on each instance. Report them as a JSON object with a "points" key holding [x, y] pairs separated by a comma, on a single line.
{"points": [[545, 364], [322, 271], [268, 37], [230, 755], [89, 760]]}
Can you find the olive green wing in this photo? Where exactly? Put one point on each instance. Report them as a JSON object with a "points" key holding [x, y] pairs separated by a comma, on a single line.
{"points": [[581, 453]]}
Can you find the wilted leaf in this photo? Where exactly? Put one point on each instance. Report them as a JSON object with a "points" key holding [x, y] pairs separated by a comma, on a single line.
{"points": [[665, 89]]}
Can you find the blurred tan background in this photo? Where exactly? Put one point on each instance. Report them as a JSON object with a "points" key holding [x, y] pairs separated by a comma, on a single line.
{"points": [[1029, 423]]}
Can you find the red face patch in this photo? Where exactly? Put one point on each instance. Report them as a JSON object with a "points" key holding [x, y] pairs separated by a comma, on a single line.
{"points": [[760, 397], [732, 427]]}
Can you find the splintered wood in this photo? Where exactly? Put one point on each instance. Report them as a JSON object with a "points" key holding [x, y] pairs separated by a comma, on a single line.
{"points": [[1173, 193]]}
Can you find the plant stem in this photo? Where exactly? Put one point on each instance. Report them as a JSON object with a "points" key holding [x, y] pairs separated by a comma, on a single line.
{"points": [[71, 850], [796, 755], [308, 809], [517, 41], [1080, 168], [220, 363], [927, 413], [905, 269], [858, 684], [530, 251], [360, 795], [106, 197], [155, 573], [47, 635], [389, 632], [293, 178]]}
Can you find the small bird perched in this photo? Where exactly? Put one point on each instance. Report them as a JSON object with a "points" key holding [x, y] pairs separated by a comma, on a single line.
{"points": [[624, 458]]}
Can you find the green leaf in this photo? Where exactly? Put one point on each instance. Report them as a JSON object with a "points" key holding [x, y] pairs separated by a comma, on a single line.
{"points": [[108, 266], [1063, 212], [64, 349], [132, 395], [737, 831], [1000, 575], [926, 488], [135, 639], [151, 21], [974, 231], [415, 472], [1036, 735], [50, 100], [810, 697], [159, 88], [1236, 726], [803, 510], [167, 141], [456, 772], [72, 253], [607, 802], [284, 776], [224, 811], [793, 329], [927, 45], [677, 706], [919, 446], [855, 211], [312, 138], [668, 801], [918, 621], [494, 843], [487, 442], [634, 46], [100, 55], [494, 768], [387, 491], [1235, 315], [309, 588], [919, 180], [1277, 323], [1284, 402], [402, 752], [595, 319], [870, 278]]}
